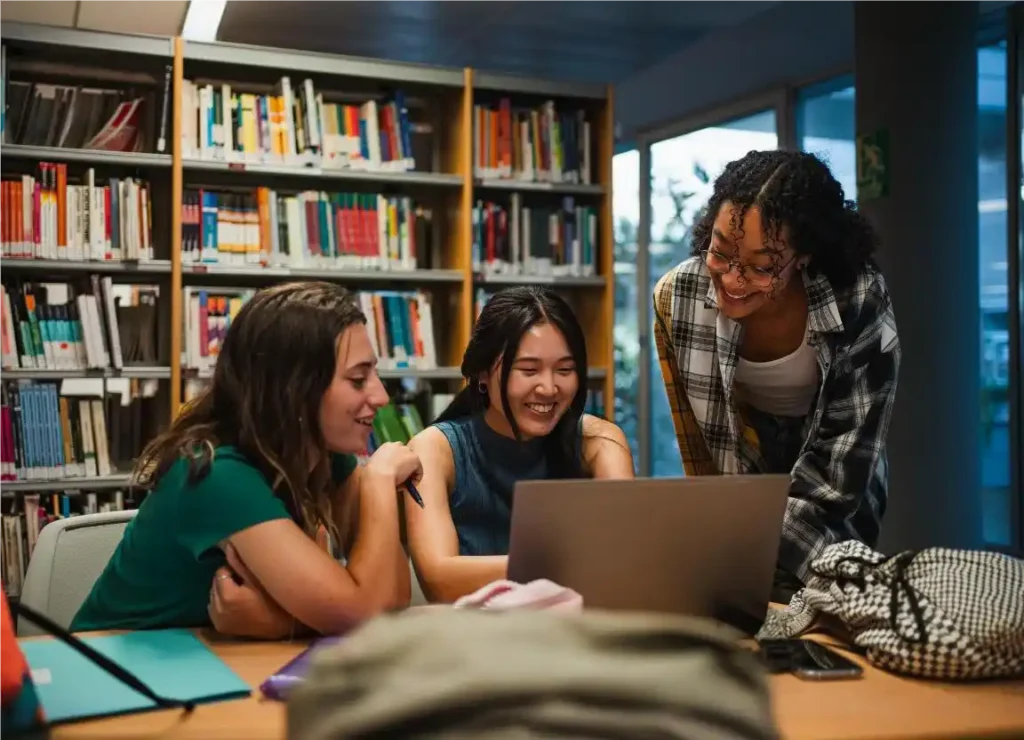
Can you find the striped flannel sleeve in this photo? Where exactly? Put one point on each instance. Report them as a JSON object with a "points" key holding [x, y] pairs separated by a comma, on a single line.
{"points": [[837, 489], [693, 450]]}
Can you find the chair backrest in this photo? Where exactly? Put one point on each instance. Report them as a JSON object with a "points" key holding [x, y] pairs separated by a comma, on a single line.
{"points": [[72, 553], [68, 558], [418, 597]]}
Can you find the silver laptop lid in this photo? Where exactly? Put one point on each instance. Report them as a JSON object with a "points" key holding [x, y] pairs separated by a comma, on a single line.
{"points": [[704, 546]]}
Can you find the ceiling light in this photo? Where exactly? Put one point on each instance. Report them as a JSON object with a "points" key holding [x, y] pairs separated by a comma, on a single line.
{"points": [[203, 19]]}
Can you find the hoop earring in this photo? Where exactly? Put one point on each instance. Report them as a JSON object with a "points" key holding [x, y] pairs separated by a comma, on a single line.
{"points": [[481, 388]]}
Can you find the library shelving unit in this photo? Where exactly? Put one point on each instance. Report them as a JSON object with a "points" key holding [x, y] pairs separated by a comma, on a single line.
{"points": [[424, 189], [542, 158]]}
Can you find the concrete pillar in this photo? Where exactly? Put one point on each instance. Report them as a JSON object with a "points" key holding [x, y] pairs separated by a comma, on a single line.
{"points": [[916, 77]]}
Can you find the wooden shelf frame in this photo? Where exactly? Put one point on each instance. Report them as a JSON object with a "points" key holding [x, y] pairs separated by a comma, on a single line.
{"points": [[455, 182]]}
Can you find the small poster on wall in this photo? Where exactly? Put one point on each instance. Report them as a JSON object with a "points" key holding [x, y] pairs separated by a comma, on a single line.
{"points": [[873, 165]]}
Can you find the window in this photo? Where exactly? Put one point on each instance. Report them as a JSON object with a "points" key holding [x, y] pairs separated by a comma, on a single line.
{"points": [[825, 124], [683, 171], [992, 263], [626, 215]]}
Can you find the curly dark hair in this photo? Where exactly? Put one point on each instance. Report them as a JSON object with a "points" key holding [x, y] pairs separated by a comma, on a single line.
{"points": [[793, 190]]}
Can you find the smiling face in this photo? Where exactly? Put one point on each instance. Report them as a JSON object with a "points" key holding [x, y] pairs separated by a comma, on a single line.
{"points": [[355, 394], [749, 272], [541, 385]]}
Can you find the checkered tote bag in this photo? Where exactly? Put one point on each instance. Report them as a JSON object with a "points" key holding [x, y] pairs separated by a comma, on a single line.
{"points": [[937, 613]]}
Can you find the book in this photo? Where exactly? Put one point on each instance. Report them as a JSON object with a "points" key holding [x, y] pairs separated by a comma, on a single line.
{"points": [[293, 673], [174, 663]]}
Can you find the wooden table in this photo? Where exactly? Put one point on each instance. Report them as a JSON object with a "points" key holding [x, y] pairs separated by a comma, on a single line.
{"points": [[879, 706], [882, 706]]}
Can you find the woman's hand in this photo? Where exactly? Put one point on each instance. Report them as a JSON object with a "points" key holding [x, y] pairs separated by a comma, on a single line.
{"points": [[396, 462], [245, 610]]}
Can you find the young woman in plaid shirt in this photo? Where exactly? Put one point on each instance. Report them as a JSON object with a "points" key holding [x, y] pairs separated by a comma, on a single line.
{"points": [[779, 350]]}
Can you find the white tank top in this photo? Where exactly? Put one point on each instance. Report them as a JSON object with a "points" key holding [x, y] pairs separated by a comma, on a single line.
{"points": [[782, 387]]}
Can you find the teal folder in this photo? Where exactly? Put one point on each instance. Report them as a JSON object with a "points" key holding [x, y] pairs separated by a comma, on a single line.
{"points": [[174, 663]]}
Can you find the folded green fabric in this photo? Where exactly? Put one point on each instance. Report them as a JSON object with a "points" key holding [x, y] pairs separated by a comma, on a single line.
{"points": [[471, 674]]}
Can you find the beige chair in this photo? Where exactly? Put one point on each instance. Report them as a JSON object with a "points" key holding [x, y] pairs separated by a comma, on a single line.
{"points": [[67, 560], [72, 553], [418, 599]]}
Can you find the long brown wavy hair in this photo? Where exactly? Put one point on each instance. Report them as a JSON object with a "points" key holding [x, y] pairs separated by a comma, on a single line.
{"points": [[277, 361]]}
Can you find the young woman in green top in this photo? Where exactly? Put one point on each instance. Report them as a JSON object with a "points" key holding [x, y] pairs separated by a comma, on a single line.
{"points": [[255, 468]]}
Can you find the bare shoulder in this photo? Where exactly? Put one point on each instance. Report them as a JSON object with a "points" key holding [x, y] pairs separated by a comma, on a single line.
{"points": [[606, 451], [430, 441], [597, 429], [433, 449]]}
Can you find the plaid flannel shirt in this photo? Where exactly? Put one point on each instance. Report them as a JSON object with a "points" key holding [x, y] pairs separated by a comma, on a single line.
{"points": [[840, 479]]}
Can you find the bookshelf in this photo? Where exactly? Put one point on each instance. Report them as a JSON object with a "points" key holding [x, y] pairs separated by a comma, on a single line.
{"points": [[438, 173], [80, 408]]}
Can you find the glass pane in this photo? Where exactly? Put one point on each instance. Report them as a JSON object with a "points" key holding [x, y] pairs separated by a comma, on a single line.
{"points": [[826, 120], [683, 171], [992, 257], [626, 213]]}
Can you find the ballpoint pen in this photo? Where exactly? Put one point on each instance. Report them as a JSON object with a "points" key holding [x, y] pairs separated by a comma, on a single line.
{"points": [[411, 488]]}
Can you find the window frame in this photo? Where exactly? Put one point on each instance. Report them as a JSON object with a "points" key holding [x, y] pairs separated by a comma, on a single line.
{"points": [[802, 93], [780, 99], [784, 100], [624, 147], [1015, 256]]}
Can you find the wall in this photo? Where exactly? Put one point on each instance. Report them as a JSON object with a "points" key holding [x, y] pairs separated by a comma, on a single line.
{"points": [[792, 42], [795, 42], [922, 90]]}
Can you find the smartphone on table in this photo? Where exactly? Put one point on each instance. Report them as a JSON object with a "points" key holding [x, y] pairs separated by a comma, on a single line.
{"points": [[808, 660]]}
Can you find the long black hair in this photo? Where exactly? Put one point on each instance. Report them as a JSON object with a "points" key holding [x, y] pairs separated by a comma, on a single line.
{"points": [[499, 329]]}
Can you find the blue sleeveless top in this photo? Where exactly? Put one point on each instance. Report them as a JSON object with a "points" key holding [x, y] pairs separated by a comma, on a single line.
{"points": [[487, 467]]}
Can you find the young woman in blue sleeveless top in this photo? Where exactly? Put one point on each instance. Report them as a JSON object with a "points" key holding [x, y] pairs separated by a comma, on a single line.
{"points": [[520, 417]]}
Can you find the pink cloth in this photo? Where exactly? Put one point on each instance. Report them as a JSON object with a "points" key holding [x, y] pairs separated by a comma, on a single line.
{"points": [[539, 594]]}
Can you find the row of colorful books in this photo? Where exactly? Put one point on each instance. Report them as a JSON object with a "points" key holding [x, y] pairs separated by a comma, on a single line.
{"points": [[308, 229], [77, 325], [294, 126], [44, 217], [74, 428], [48, 218], [400, 324], [539, 144], [93, 116], [516, 239]]}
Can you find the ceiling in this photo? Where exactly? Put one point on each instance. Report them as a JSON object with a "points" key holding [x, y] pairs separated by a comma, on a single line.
{"points": [[586, 41], [159, 17]]}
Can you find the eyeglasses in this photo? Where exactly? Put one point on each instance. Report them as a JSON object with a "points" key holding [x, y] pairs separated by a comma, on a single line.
{"points": [[759, 277]]}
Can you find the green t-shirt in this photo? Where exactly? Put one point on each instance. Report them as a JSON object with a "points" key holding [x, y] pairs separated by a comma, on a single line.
{"points": [[162, 571]]}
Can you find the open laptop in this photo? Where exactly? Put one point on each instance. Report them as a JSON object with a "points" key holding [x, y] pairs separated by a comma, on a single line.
{"points": [[702, 546]]}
